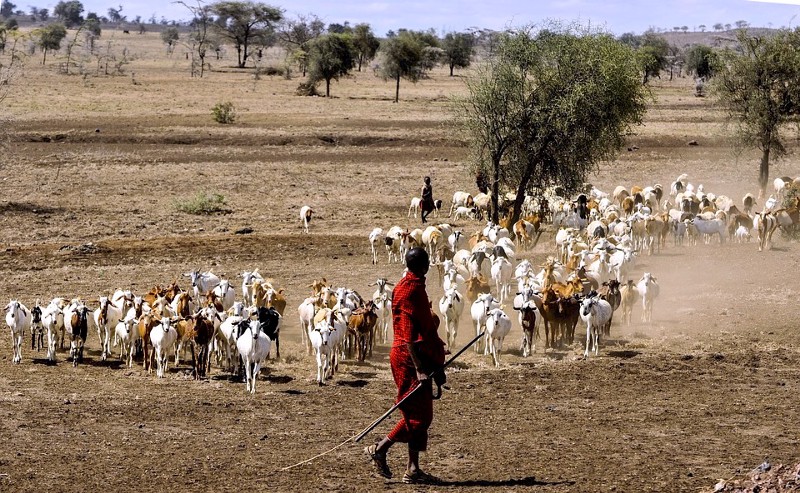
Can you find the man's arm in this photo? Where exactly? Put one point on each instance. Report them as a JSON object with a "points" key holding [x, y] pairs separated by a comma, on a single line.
{"points": [[413, 350]]}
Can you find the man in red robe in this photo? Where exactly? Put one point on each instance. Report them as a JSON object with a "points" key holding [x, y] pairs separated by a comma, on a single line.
{"points": [[417, 351]]}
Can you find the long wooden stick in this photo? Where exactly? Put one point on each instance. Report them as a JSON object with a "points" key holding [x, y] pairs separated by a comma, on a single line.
{"points": [[419, 385]]}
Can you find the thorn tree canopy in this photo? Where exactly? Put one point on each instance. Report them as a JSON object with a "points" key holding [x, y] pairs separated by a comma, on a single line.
{"points": [[245, 22], [330, 57], [759, 85], [404, 57], [547, 107]]}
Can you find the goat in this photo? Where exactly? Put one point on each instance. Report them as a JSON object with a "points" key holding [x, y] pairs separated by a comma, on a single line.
{"points": [[450, 306], [480, 313], [306, 311], [527, 321], [76, 323], [147, 322], [53, 322], [247, 281], [498, 325], [320, 337], [501, 275], [225, 292], [461, 199], [106, 317], [362, 325], [628, 295], [415, 207], [163, 337], [202, 282], [126, 334], [18, 319], [766, 224], [742, 234], [648, 289], [269, 320], [596, 312], [374, 240], [37, 329], [253, 345], [305, 217], [382, 298], [609, 291]]}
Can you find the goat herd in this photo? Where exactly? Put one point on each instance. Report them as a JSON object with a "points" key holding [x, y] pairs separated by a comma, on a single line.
{"points": [[597, 239]]}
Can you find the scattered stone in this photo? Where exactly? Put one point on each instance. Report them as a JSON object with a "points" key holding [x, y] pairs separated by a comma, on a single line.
{"points": [[692, 143], [243, 231], [764, 478]]}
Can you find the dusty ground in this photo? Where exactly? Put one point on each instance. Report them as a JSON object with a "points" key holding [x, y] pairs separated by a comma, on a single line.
{"points": [[704, 393]]}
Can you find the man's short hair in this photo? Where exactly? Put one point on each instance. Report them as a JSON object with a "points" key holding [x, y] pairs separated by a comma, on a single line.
{"points": [[417, 260]]}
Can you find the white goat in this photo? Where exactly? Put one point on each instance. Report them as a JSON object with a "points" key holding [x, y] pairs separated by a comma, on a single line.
{"points": [[415, 207], [374, 240], [501, 275], [596, 312], [163, 337], [743, 234], [226, 293], [53, 322], [247, 285], [202, 282], [480, 313], [18, 318], [498, 325], [306, 311], [253, 345], [320, 337], [450, 306], [106, 317], [305, 217], [127, 334], [648, 289]]}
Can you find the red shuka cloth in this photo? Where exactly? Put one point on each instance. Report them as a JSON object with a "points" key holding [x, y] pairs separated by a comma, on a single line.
{"points": [[413, 322]]}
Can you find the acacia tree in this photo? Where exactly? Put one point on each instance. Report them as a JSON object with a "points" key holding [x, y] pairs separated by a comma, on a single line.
{"points": [[547, 108], [457, 50], [652, 55], [69, 12], [7, 8], [200, 40], [244, 22], [700, 61], [295, 34], [365, 43], [402, 58], [330, 57], [50, 38], [759, 85], [170, 37]]}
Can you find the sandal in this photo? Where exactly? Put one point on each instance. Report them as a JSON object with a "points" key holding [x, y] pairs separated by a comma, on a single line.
{"points": [[379, 461], [420, 477]]}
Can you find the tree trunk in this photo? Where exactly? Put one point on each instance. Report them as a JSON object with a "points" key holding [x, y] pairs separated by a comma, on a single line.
{"points": [[44, 58], [763, 173], [397, 90], [360, 59], [520, 199], [495, 190], [451, 70], [327, 88]]}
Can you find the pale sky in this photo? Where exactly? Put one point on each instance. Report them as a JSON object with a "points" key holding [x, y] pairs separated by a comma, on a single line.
{"points": [[616, 16]]}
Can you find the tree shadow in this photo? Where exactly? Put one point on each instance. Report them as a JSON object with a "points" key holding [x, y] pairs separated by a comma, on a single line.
{"points": [[43, 361], [486, 483], [625, 354], [352, 383]]}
